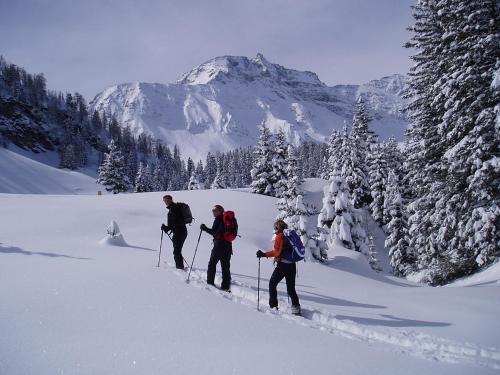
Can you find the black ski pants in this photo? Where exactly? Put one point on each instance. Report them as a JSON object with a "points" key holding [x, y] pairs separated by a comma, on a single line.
{"points": [[178, 238], [287, 271], [222, 252]]}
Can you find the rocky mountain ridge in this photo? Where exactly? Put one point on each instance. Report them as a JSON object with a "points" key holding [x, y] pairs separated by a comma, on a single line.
{"points": [[219, 105]]}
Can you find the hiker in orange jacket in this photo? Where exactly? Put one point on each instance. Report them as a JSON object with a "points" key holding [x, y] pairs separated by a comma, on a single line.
{"points": [[284, 268]]}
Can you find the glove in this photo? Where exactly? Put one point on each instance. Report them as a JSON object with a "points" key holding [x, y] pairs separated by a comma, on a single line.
{"points": [[164, 228], [260, 254], [203, 227]]}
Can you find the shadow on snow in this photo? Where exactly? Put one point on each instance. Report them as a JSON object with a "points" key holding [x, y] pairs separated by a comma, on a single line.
{"points": [[18, 250], [391, 321]]}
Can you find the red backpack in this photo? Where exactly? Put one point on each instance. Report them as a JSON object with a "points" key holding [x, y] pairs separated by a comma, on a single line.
{"points": [[230, 226]]}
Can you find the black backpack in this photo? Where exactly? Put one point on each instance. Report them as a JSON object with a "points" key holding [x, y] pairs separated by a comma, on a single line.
{"points": [[186, 212]]}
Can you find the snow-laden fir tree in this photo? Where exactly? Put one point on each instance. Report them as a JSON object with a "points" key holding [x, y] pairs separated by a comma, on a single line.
{"points": [[351, 163], [307, 230], [453, 109], [335, 216], [393, 156], [112, 172], [360, 147], [286, 204], [397, 240], [262, 180], [377, 176], [143, 179], [193, 183], [210, 169], [223, 168], [340, 231], [279, 164], [200, 172], [219, 180], [334, 145], [158, 179], [339, 222]]}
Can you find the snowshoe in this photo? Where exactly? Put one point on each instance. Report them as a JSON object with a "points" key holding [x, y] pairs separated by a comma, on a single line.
{"points": [[296, 310]]}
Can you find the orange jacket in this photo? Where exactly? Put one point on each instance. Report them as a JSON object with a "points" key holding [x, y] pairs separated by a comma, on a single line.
{"points": [[279, 241]]}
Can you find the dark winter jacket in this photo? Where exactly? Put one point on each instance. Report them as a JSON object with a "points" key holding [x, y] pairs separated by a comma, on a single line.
{"points": [[217, 231], [175, 219]]}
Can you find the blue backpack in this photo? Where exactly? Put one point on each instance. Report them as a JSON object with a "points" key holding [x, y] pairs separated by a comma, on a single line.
{"points": [[298, 251]]}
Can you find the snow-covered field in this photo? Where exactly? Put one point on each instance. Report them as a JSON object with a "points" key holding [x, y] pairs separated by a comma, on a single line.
{"points": [[70, 304], [26, 172]]}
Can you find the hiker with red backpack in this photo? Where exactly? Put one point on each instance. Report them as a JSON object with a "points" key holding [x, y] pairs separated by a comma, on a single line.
{"points": [[285, 254], [176, 223], [224, 230]]}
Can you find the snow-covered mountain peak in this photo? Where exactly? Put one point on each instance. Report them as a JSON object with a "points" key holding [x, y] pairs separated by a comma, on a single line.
{"points": [[394, 84], [219, 105], [225, 69]]}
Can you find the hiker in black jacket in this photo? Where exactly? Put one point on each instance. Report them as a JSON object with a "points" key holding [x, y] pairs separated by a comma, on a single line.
{"points": [[221, 251], [175, 224]]}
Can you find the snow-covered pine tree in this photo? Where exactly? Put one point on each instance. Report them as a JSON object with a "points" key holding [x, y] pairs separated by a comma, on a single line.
{"points": [[334, 145], [262, 182], [236, 168], [219, 180], [128, 148], [210, 169], [287, 203], [340, 231], [200, 173], [159, 180], [397, 240], [279, 162], [112, 172], [143, 179], [335, 217], [302, 223], [377, 176], [470, 135], [453, 108], [393, 156], [349, 166], [227, 177], [193, 183], [358, 182]]}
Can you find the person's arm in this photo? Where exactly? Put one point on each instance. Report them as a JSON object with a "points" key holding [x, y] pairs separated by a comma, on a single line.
{"points": [[215, 227], [278, 246]]}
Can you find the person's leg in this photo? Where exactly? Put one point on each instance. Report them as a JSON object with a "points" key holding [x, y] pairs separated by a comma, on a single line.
{"points": [[225, 262], [276, 277], [178, 241], [290, 272], [212, 264]]}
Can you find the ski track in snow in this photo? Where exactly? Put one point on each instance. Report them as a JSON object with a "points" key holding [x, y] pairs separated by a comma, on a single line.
{"points": [[405, 341]]}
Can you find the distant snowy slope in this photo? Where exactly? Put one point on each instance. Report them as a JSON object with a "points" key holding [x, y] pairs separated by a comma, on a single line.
{"points": [[22, 175], [219, 105]]}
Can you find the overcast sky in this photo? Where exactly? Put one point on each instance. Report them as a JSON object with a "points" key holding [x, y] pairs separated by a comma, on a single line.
{"points": [[89, 45]]}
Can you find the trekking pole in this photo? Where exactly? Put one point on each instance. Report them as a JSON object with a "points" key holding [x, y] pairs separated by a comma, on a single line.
{"points": [[159, 255], [195, 250], [258, 288]]}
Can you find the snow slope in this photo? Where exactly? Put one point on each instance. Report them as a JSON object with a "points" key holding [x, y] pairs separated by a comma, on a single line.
{"points": [[22, 174], [72, 303], [219, 105]]}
